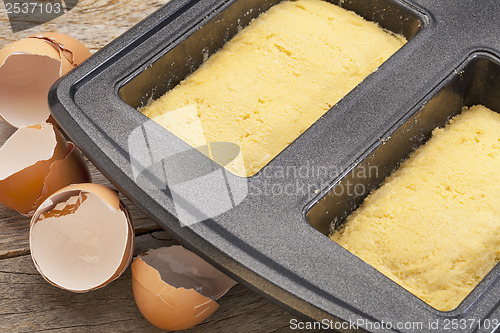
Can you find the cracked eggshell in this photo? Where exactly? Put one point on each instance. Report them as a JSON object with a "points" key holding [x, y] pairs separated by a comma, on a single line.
{"points": [[81, 237], [28, 68], [175, 289], [72, 169], [74, 51], [36, 161]]}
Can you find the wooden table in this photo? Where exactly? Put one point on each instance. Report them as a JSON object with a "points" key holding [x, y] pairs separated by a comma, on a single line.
{"points": [[28, 303]]}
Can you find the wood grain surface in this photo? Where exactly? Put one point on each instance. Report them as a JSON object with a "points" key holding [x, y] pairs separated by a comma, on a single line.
{"points": [[27, 302]]}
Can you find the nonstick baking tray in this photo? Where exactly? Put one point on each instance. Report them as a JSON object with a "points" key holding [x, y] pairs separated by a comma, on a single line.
{"points": [[269, 231]]}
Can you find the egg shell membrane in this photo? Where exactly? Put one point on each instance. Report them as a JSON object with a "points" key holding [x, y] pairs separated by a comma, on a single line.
{"points": [[21, 190], [165, 306], [28, 68], [73, 50], [51, 208]]}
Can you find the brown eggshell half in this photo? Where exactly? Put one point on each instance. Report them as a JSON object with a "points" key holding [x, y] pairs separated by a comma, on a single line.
{"points": [[175, 289], [79, 241], [28, 68], [110, 196], [27, 157]]}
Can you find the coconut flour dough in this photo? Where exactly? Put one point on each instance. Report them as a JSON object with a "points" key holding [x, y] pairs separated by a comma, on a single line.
{"points": [[274, 79], [433, 227]]}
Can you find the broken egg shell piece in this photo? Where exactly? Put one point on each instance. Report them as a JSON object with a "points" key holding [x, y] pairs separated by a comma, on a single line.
{"points": [[175, 289], [80, 242], [73, 49], [70, 170], [111, 197], [107, 194], [27, 157], [167, 307], [28, 68], [29, 46], [25, 80]]}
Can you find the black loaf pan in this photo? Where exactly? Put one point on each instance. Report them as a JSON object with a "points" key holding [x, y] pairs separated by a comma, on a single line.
{"points": [[268, 231]]}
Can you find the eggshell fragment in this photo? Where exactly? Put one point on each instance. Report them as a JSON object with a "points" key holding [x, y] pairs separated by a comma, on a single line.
{"points": [[69, 170], [28, 68], [74, 51], [175, 289], [36, 161], [81, 237]]}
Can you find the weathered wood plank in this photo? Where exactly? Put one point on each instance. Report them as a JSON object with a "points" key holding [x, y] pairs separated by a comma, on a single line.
{"points": [[28, 303], [94, 22]]}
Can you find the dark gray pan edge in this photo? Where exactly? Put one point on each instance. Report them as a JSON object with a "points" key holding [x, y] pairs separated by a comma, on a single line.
{"points": [[265, 242]]}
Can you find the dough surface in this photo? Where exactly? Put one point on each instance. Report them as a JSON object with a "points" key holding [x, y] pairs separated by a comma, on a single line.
{"points": [[433, 227], [275, 78]]}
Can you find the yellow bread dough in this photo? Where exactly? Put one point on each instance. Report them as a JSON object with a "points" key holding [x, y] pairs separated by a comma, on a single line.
{"points": [[276, 77], [433, 227]]}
